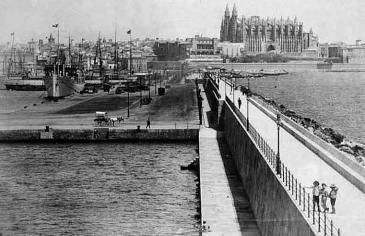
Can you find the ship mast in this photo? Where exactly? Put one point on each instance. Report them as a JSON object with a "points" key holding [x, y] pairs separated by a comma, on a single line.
{"points": [[11, 54], [100, 58], [116, 57]]}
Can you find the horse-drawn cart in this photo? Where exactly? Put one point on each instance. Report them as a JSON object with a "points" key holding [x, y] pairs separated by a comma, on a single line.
{"points": [[102, 119]]}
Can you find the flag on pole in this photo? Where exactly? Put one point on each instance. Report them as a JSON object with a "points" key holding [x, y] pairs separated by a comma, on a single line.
{"points": [[129, 31], [55, 25]]}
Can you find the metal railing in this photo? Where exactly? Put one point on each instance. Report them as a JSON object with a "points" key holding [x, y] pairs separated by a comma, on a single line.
{"points": [[321, 222]]}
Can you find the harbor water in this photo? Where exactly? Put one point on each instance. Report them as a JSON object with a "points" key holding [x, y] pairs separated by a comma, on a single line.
{"points": [[97, 189], [334, 99]]}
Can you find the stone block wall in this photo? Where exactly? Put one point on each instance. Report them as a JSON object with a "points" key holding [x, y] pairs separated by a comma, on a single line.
{"points": [[274, 210]]}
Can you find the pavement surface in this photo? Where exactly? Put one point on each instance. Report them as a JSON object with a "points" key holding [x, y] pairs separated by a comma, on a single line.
{"points": [[176, 109], [307, 166], [225, 207]]}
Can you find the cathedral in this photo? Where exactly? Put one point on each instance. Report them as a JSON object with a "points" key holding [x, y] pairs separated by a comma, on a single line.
{"points": [[267, 35]]}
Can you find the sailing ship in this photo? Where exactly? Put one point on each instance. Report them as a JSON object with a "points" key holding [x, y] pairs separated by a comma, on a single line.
{"points": [[22, 77]]}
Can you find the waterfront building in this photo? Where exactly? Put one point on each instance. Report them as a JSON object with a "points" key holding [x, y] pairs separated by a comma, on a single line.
{"points": [[203, 45], [230, 50], [354, 53], [171, 50], [261, 35]]}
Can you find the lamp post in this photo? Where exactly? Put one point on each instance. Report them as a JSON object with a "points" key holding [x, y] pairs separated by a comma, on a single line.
{"points": [[155, 75], [247, 102], [140, 91], [130, 65], [278, 161], [149, 85], [234, 85]]}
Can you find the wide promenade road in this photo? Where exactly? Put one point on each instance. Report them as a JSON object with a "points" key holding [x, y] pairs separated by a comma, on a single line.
{"points": [[307, 166]]}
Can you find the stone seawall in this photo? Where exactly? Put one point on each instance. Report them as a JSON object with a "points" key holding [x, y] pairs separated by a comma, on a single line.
{"points": [[275, 211], [99, 134], [291, 67]]}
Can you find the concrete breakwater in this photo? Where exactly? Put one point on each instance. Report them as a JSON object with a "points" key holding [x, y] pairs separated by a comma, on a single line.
{"points": [[275, 211], [99, 134], [292, 67]]}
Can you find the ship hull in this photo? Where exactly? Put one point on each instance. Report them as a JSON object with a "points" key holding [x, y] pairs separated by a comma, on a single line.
{"points": [[20, 84], [61, 86]]}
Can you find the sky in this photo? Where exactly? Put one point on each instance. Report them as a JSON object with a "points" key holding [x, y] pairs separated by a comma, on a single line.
{"points": [[331, 20]]}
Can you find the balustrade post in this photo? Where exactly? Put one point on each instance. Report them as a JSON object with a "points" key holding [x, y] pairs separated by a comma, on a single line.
{"points": [[289, 180], [338, 232], [331, 228]]}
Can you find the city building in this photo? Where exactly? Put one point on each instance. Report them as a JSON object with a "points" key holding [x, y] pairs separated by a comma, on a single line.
{"points": [[354, 53], [171, 50], [203, 45], [230, 50], [266, 35]]}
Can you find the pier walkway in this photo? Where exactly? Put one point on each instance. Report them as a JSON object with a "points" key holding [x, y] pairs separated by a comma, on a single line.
{"points": [[224, 204], [306, 165]]}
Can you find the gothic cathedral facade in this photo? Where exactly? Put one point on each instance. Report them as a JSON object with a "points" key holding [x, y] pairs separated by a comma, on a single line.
{"points": [[266, 35]]}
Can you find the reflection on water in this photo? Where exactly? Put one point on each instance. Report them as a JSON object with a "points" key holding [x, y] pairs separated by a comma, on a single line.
{"points": [[97, 189], [335, 100]]}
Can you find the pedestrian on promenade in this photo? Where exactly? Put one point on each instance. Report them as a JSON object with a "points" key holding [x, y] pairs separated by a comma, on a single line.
{"points": [[239, 103], [324, 196], [333, 197], [315, 194], [148, 123]]}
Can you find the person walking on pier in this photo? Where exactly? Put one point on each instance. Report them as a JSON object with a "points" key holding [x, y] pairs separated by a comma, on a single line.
{"points": [[333, 197], [239, 103], [148, 123], [324, 196]]}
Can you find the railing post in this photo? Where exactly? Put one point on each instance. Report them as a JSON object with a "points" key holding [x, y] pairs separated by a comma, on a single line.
{"points": [[331, 228], [338, 232], [319, 221], [314, 220], [296, 189], [325, 223], [286, 176], [289, 180], [292, 184], [300, 195], [308, 207]]}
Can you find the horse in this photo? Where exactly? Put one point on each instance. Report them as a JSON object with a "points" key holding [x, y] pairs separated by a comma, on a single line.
{"points": [[116, 119]]}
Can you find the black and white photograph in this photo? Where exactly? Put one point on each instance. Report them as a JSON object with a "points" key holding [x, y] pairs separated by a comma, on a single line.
{"points": [[182, 117]]}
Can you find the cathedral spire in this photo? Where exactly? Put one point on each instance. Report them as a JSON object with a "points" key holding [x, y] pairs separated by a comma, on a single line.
{"points": [[234, 11], [226, 13]]}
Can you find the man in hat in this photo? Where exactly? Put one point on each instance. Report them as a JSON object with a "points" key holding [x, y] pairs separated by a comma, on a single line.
{"points": [[324, 196], [333, 196], [315, 194]]}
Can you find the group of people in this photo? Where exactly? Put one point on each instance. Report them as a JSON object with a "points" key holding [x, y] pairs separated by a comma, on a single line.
{"points": [[321, 194]]}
